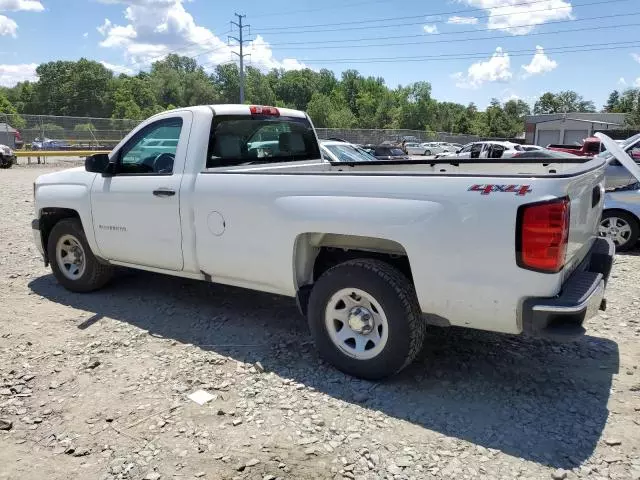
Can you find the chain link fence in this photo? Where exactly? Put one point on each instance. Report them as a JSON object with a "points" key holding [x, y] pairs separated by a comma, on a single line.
{"points": [[47, 132]]}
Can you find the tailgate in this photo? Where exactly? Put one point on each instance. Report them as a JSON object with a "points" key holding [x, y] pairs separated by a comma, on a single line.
{"points": [[586, 194]]}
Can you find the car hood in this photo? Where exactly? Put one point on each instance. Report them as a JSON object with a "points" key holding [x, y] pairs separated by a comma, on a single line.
{"points": [[70, 176]]}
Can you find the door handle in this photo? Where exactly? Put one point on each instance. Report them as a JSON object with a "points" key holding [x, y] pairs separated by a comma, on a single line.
{"points": [[164, 193]]}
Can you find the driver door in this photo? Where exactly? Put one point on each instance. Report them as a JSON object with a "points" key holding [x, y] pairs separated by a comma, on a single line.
{"points": [[135, 212]]}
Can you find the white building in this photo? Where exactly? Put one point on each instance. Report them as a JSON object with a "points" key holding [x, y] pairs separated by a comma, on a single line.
{"points": [[569, 128]]}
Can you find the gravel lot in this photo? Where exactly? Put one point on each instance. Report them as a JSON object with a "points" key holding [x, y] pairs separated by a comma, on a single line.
{"points": [[95, 386]]}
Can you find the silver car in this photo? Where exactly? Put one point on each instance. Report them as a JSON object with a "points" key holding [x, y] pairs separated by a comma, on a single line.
{"points": [[621, 216], [617, 175]]}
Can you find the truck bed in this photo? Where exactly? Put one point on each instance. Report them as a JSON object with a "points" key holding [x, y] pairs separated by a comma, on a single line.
{"points": [[523, 167]]}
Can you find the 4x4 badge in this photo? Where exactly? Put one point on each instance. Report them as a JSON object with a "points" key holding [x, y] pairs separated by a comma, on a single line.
{"points": [[520, 190]]}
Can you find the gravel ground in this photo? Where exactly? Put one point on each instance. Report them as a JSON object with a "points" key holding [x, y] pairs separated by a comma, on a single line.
{"points": [[96, 385]]}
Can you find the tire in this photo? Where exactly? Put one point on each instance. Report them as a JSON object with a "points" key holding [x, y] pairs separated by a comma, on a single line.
{"points": [[627, 229], [427, 153], [390, 299], [68, 235], [5, 162]]}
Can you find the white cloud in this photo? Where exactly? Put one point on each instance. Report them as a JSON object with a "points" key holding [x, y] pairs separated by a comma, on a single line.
{"points": [[8, 26], [636, 57], [540, 63], [455, 20], [117, 68], [637, 83], [12, 74], [520, 18], [156, 28], [85, 35], [622, 82], [24, 5], [430, 29], [496, 69]]}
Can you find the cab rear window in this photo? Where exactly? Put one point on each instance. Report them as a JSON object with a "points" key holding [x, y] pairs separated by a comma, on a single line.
{"points": [[245, 140]]}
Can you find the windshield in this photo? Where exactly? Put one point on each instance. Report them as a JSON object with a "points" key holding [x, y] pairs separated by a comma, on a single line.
{"points": [[242, 140], [349, 153]]}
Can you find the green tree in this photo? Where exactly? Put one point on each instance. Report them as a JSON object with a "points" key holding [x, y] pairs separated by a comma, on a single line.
{"points": [[612, 102], [10, 113], [564, 102], [74, 88]]}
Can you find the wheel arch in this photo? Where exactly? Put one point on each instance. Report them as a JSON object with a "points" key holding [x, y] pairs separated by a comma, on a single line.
{"points": [[621, 210], [48, 218], [315, 253]]}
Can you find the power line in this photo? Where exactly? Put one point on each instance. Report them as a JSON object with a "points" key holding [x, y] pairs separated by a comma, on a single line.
{"points": [[558, 50], [345, 43], [287, 30], [319, 9]]}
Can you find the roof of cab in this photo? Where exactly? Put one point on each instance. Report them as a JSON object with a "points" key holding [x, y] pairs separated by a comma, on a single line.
{"points": [[239, 109]]}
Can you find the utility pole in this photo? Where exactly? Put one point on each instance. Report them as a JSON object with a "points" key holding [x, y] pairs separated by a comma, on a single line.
{"points": [[241, 41]]}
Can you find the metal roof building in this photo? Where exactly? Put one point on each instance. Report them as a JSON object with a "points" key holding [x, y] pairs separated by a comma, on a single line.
{"points": [[569, 128]]}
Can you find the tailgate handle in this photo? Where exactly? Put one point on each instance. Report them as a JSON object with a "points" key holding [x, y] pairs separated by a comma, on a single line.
{"points": [[596, 196]]}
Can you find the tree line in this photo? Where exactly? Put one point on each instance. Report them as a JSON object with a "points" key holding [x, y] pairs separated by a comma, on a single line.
{"points": [[86, 88]]}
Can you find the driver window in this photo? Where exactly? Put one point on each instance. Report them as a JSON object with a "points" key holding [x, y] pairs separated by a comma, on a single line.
{"points": [[153, 149]]}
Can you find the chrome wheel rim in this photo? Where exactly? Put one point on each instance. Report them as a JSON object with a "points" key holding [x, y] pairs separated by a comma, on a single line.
{"points": [[70, 257], [356, 323], [617, 229]]}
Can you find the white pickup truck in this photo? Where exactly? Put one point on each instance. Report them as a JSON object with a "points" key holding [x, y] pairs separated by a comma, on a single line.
{"points": [[373, 252]]}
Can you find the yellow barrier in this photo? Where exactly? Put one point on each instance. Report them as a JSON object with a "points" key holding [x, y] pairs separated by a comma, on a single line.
{"points": [[57, 153]]}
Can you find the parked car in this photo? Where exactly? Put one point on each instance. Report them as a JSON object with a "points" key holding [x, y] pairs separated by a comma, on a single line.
{"points": [[49, 144], [486, 149], [7, 157], [435, 148], [621, 217], [338, 151], [417, 149], [616, 174], [366, 251], [590, 146], [390, 152]]}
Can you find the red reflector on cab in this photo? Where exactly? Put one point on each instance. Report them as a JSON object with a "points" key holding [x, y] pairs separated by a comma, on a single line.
{"points": [[258, 110], [542, 235]]}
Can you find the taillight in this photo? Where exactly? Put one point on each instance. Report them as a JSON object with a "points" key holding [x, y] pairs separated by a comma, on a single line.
{"points": [[258, 110], [542, 235]]}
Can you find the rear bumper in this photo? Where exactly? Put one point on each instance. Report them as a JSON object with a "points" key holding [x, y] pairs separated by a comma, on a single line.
{"points": [[582, 295]]}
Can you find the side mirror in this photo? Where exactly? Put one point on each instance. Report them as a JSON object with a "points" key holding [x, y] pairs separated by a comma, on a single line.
{"points": [[96, 163]]}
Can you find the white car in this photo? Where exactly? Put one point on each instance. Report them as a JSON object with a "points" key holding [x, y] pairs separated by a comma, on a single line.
{"points": [[372, 252], [335, 151], [487, 149], [532, 148], [417, 149], [435, 148]]}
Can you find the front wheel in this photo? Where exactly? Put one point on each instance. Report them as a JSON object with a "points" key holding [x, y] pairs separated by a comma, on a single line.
{"points": [[621, 227], [73, 264], [365, 319], [427, 153]]}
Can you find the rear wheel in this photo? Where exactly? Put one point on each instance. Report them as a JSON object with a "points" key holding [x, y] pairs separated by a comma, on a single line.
{"points": [[73, 264], [621, 227], [5, 162], [427, 153], [365, 319]]}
